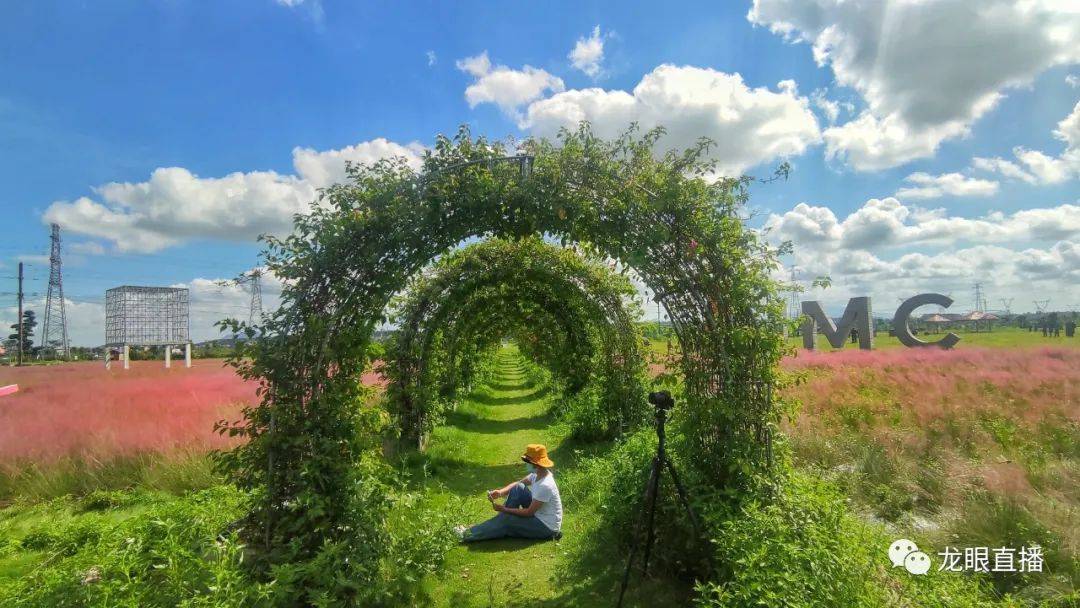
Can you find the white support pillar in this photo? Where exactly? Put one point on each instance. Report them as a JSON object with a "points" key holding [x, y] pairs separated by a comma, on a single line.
{"points": [[187, 355], [108, 358], [127, 356], [168, 356]]}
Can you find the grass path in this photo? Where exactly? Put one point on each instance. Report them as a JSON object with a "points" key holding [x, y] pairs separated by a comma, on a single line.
{"points": [[479, 448]]}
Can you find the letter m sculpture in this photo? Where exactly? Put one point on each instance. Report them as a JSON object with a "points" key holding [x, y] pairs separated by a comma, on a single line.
{"points": [[856, 316]]}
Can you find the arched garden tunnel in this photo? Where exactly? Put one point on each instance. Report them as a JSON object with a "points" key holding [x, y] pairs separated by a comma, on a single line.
{"points": [[307, 441], [574, 317]]}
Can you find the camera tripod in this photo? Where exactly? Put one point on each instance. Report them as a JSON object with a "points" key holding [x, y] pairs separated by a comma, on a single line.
{"points": [[663, 402]]}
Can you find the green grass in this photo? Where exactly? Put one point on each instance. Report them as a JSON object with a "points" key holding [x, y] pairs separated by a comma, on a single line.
{"points": [[478, 449], [175, 472], [1000, 337], [22, 524]]}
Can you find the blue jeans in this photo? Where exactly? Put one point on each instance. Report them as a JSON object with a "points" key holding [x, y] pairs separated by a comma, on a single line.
{"points": [[505, 525]]}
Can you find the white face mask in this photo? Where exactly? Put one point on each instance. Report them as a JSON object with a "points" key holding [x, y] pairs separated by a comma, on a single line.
{"points": [[530, 468]]}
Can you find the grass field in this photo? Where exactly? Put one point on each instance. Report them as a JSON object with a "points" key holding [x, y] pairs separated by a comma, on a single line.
{"points": [[1000, 337], [977, 446], [76, 427], [969, 447]]}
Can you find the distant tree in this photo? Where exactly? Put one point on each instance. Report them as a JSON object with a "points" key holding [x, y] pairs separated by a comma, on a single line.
{"points": [[29, 322]]}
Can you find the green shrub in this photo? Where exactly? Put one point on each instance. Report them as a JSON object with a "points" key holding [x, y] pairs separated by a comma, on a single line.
{"points": [[990, 520], [618, 479], [173, 553], [100, 500], [804, 549], [186, 552], [584, 413]]}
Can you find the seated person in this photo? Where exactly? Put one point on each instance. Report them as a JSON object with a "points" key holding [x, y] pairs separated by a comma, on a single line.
{"points": [[527, 513]]}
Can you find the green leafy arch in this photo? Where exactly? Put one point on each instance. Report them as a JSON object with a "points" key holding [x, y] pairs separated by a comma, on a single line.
{"points": [[476, 285], [303, 457]]}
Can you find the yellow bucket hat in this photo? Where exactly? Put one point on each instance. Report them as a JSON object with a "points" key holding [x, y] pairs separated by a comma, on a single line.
{"points": [[537, 454]]}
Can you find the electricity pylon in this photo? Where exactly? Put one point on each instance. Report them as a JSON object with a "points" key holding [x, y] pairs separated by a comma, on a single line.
{"points": [[253, 280], [980, 298], [1006, 305], [55, 334], [793, 299]]}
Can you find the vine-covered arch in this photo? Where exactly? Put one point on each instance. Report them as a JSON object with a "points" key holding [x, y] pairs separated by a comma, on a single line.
{"points": [[594, 307], [365, 239]]}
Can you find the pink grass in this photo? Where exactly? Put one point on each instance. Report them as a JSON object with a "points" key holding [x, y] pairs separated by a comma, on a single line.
{"points": [[82, 410], [929, 384]]}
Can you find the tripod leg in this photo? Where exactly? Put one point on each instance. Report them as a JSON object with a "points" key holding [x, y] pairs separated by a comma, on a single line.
{"points": [[683, 497], [655, 489], [653, 476], [626, 573]]}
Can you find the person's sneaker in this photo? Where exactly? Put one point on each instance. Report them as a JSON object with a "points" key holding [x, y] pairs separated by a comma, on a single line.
{"points": [[460, 531]]}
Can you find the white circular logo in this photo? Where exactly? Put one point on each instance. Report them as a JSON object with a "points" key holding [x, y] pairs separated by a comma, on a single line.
{"points": [[917, 562], [899, 550]]}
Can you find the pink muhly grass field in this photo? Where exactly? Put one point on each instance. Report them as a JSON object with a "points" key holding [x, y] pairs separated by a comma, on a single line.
{"points": [[83, 411], [930, 383]]}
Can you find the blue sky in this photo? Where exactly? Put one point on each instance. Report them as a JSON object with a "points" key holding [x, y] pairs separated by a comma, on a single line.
{"points": [[933, 146]]}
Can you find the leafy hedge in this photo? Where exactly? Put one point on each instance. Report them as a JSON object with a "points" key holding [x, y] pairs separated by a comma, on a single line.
{"points": [[800, 547]]}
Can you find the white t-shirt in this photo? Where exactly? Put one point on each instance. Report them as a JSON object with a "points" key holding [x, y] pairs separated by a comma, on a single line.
{"points": [[547, 492]]}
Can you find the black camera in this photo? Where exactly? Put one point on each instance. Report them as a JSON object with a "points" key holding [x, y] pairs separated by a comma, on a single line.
{"points": [[662, 400]]}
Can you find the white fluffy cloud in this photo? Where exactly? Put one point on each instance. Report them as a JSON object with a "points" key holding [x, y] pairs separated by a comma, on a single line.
{"points": [[927, 70], [505, 87], [1012, 274], [86, 248], [926, 186], [175, 205], [86, 320], [323, 168], [886, 223], [868, 143], [829, 107], [749, 126], [209, 302], [871, 252], [212, 301], [588, 53], [1035, 167]]}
